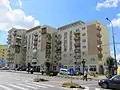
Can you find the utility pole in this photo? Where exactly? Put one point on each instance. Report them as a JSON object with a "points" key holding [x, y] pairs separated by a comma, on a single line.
{"points": [[113, 37]]}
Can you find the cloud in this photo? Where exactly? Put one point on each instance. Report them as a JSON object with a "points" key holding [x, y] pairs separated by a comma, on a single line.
{"points": [[14, 17], [118, 14], [115, 22], [20, 3], [107, 4]]}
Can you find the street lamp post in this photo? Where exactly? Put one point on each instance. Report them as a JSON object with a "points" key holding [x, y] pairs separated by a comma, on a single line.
{"points": [[113, 37], [83, 62]]}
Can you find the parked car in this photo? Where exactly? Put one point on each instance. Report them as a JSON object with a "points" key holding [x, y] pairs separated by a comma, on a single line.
{"points": [[112, 83], [64, 71], [4, 68]]}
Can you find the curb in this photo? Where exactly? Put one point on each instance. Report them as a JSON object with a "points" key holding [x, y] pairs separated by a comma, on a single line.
{"points": [[78, 78]]}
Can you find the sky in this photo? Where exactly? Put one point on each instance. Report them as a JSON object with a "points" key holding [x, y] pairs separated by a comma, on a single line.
{"points": [[30, 13]]}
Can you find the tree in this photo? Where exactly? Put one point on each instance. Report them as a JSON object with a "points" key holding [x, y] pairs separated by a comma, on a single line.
{"points": [[110, 61]]}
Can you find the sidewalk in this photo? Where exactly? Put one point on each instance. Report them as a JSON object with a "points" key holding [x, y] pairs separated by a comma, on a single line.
{"points": [[62, 76]]}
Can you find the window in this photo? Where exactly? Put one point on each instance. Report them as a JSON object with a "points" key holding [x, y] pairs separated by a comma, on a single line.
{"points": [[83, 34], [77, 30], [83, 53], [92, 59], [83, 46], [83, 28], [92, 68], [84, 40]]}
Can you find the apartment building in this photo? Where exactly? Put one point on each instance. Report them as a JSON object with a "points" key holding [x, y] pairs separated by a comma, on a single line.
{"points": [[16, 51], [39, 46], [84, 41], [2, 55], [66, 46]]}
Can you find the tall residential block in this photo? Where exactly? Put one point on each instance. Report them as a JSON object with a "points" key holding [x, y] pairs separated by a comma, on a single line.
{"points": [[84, 41], [39, 46], [16, 52]]}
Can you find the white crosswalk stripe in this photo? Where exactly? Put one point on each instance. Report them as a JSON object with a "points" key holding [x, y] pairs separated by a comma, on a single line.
{"points": [[6, 88], [24, 86], [28, 86], [18, 87], [40, 86]]}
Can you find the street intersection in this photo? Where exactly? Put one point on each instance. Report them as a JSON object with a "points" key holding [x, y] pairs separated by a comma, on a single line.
{"points": [[20, 81]]}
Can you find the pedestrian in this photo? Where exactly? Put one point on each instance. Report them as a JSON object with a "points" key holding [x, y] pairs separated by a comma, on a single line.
{"points": [[42, 72], [85, 75]]}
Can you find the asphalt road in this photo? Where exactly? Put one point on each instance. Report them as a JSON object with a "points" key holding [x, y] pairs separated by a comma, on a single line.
{"points": [[19, 81]]}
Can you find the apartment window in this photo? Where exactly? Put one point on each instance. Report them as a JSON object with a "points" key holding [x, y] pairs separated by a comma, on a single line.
{"points": [[92, 59], [92, 68], [65, 41], [70, 40], [84, 40], [83, 53], [84, 34], [83, 46], [83, 28], [77, 30]]}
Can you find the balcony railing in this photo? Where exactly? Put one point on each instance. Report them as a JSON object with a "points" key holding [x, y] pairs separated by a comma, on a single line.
{"points": [[77, 38], [98, 28], [100, 55], [99, 35], [48, 47], [44, 30], [77, 44], [99, 42], [77, 51], [76, 33], [99, 48]]}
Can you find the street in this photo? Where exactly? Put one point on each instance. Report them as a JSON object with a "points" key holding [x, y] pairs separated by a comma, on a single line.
{"points": [[19, 81]]}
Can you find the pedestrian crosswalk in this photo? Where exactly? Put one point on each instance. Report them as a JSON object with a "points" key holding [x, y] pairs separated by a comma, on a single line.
{"points": [[93, 88], [29, 86]]}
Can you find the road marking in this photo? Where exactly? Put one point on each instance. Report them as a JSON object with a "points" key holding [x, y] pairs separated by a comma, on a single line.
{"points": [[5, 87], [91, 84], [86, 87], [18, 87], [44, 84], [36, 85], [97, 89], [28, 86]]}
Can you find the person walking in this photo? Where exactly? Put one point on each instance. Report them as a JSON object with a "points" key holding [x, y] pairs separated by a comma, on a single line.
{"points": [[85, 75]]}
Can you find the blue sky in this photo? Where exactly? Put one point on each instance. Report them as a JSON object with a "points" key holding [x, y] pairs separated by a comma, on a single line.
{"points": [[57, 13]]}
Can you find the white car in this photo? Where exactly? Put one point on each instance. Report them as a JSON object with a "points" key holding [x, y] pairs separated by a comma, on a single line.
{"points": [[64, 71]]}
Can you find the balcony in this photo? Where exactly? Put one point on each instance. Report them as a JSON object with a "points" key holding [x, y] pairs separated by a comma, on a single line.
{"points": [[99, 35], [100, 55], [77, 51], [18, 38], [77, 44], [77, 38], [48, 42], [48, 52], [36, 35], [77, 33], [59, 42], [35, 39], [44, 30], [48, 46], [99, 42], [98, 28], [77, 56], [99, 48], [17, 44]]}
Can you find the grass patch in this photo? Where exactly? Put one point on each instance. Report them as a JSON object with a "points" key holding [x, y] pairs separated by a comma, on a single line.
{"points": [[71, 85], [39, 80]]}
